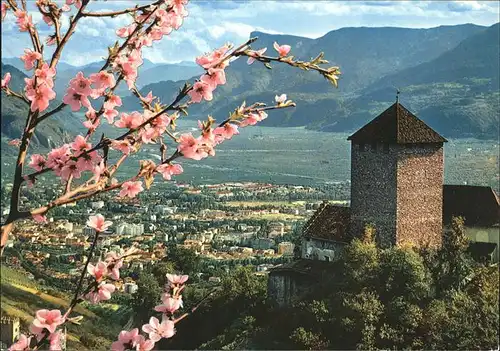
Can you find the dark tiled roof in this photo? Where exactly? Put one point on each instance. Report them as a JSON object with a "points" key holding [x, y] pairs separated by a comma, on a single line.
{"points": [[479, 205], [329, 222], [396, 125]]}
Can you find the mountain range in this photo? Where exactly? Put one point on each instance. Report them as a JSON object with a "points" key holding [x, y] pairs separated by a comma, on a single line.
{"points": [[447, 75]]}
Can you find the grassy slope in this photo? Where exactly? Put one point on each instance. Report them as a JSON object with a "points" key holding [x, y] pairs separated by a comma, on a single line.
{"points": [[22, 297]]}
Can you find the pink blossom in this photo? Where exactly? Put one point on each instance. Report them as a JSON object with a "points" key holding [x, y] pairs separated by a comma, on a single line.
{"points": [[75, 100], [87, 161], [131, 189], [58, 157], [5, 79], [71, 169], [39, 96], [149, 134], [98, 223], [99, 170], [215, 76], [92, 126], [121, 145], [23, 343], [208, 60], [149, 98], [146, 40], [179, 7], [168, 170], [170, 304], [99, 271], [49, 320], [188, 146], [24, 20], [37, 162], [110, 115], [143, 344], [126, 340], [114, 262], [45, 75], [130, 73], [280, 99], [55, 341], [4, 10], [174, 20], [40, 218], [254, 54], [130, 121], [14, 142], [81, 85], [102, 80], [126, 31], [38, 332], [77, 3], [112, 102], [227, 131], [253, 119], [157, 330], [29, 58], [201, 90], [282, 50], [176, 280], [80, 144], [162, 121], [102, 293]]}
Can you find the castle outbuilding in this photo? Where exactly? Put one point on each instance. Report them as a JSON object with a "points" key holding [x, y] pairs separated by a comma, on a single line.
{"points": [[397, 172]]}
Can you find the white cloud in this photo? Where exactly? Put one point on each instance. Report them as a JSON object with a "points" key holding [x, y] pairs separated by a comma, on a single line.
{"points": [[210, 24], [460, 6]]}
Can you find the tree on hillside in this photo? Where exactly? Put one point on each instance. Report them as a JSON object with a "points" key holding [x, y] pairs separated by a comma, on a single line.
{"points": [[386, 299]]}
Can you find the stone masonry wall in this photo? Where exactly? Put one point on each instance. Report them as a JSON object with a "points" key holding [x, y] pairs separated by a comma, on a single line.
{"points": [[420, 195], [373, 190], [322, 250]]}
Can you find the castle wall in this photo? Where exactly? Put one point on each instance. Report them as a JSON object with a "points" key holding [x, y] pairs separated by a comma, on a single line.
{"points": [[420, 195], [322, 250], [373, 190]]}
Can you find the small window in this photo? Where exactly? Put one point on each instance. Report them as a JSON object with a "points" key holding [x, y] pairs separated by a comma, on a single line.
{"points": [[374, 147], [386, 148], [327, 259]]}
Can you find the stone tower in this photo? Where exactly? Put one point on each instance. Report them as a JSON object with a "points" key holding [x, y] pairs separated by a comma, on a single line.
{"points": [[397, 179], [9, 329]]}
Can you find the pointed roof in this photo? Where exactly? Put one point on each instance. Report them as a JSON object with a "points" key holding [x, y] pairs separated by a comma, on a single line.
{"points": [[396, 125], [329, 222]]}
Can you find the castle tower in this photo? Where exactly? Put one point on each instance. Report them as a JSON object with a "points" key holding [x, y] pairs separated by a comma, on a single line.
{"points": [[397, 179], [9, 329]]}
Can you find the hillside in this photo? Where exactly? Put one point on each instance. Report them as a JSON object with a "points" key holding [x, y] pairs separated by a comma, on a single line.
{"points": [[448, 59], [14, 114], [164, 72], [448, 75], [456, 93], [22, 297]]}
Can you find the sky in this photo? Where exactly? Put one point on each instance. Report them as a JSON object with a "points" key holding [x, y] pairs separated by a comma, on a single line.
{"points": [[213, 23]]}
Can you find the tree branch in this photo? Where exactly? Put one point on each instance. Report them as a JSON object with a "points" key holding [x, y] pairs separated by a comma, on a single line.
{"points": [[117, 13]]}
